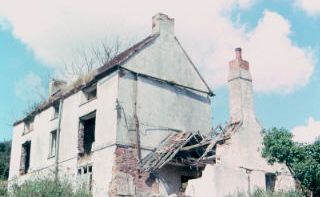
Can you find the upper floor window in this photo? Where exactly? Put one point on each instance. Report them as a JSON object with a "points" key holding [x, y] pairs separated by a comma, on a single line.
{"points": [[86, 133], [55, 111], [28, 125], [25, 157], [53, 142], [89, 93]]}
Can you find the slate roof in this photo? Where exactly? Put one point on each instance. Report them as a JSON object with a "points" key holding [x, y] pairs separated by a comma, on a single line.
{"points": [[127, 54], [113, 64]]}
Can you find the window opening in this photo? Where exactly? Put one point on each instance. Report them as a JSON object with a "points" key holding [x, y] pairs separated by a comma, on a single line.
{"points": [[86, 133], [55, 111], [90, 93], [270, 181], [28, 125], [85, 177], [25, 157], [53, 143]]}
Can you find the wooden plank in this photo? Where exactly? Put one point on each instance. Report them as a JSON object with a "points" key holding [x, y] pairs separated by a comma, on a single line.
{"points": [[187, 148]]}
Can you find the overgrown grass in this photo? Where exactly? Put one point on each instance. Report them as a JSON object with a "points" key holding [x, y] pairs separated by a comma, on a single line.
{"points": [[261, 193], [46, 187], [3, 188]]}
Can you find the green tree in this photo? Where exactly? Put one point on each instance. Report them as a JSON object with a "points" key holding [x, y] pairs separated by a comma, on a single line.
{"points": [[5, 149], [302, 160]]}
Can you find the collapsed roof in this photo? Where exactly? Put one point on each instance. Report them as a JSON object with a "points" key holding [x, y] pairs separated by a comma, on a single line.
{"points": [[188, 149]]}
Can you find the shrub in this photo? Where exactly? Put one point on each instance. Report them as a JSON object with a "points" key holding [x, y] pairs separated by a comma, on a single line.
{"points": [[47, 187]]}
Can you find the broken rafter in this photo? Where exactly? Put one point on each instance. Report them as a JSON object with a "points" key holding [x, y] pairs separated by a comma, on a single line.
{"points": [[202, 143], [187, 149]]}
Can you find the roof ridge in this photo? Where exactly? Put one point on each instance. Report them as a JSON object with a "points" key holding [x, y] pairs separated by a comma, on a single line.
{"points": [[100, 71]]}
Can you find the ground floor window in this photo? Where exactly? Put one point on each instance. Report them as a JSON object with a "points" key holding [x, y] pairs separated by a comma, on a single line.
{"points": [[84, 177], [270, 181], [25, 157]]}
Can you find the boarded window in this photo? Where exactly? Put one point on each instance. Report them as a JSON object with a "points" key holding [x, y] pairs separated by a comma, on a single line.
{"points": [[86, 134], [84, 177], [53, 143], [25, 157], [270, 181]]}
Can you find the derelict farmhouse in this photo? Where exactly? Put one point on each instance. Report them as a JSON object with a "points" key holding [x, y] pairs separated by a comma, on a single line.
{"points": [[140, 125]]}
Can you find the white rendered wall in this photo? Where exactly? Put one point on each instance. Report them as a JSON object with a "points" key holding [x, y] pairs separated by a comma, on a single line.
{"points": [[229, 174], [160, 105], [239, 164], [103, 148], [161, 108]]}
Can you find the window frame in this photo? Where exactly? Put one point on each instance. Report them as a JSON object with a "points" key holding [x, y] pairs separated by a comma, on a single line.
{"points": [[55, 111], [270, 181], [85, 92], [53, 143], [81, 133], [84, 175], [25, 157], [28, 125]]}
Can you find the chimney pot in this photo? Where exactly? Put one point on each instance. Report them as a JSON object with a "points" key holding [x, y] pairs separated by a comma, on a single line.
{"points": [[238, 53], [162, 24], [56, 85]]}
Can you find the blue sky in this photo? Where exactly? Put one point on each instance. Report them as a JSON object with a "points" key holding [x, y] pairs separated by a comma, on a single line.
{"points": [[280, 39]]}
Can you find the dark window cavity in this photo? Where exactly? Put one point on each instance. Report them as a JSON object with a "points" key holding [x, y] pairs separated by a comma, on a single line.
{"points": [[270, 181], [86, 134], [25, 157], [53, 143]]}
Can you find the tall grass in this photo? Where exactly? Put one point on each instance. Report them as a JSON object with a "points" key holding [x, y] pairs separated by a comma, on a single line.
{"points": [[261, 193], [46, 187]]}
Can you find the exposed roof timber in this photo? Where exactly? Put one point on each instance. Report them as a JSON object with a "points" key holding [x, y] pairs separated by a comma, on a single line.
{"points": [[175, 151]]}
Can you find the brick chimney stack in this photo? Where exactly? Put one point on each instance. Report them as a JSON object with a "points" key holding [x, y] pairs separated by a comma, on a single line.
{"points": [[163, 25], [240, 89]]}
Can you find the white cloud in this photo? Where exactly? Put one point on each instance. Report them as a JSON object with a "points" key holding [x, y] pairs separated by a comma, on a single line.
{"points": [[307, 133], [312, 7], [276, 63], [30, 88], [53, 29]]}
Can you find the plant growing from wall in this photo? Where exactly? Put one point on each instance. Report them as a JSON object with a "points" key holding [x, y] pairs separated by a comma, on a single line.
{"points": [[303, 160]]}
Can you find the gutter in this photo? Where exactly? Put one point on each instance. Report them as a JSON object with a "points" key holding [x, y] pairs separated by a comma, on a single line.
{"points": [[58, 140], [210, 93]]}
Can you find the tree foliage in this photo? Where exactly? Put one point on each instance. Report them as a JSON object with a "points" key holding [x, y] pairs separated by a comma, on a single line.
{"points": [[303, 160], [5, 149]]}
